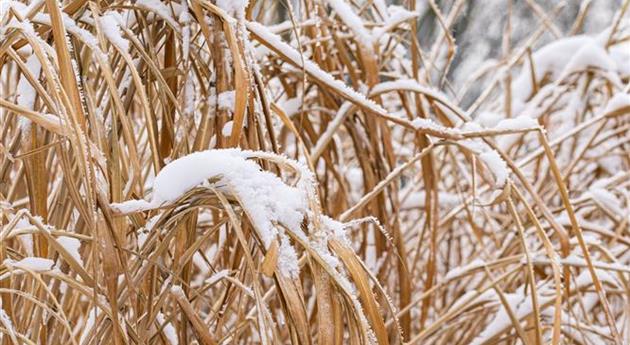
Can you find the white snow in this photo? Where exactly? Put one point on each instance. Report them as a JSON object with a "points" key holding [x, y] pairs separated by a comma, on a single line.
{"points": [[497, 165], [618, 101], [168, 329], [234, 8], [397, 15], [591, 55], [71, 27], [217, 277], [563, 56], [413, 85], [162, 10], [264, 196], [31, 263], [226, 100], [353, 21], [516, 123], [607, 199], [488, 119], [110, 24], [551, 58], [458, 271], [227, 128], [332, 127], [25, 92], [5, 320], [71, 245], [132, 206], [89, 323], [291, 106], [422, 123]]}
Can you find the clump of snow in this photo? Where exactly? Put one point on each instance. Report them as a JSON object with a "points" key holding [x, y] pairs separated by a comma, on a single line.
{"points": [[397, 15], [291, 106], [162, 10], [71, 245], [168, 329], [607, 199], [264, 196], [550, 59], [6, 321], [516, 123], [488, 119], [227, 128], [25, 91], [591, 55], [618, 101], [353, 21], [111, 23], [497, 165], [31, 263], [458, 271], [217, 276], [226, 100], [562, 57], [235, 8], [422, 123], [132, 206]]}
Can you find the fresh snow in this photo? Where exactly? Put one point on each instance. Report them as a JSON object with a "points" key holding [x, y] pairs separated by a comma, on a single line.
{"points": [[34, 264], [497, 165], [162, 10], [6, 322], [618, 101], [25, 91], [217, 277], [227, 128], [590, 55], [397, 15], [233, 7], [353, 21], [421, 123], [458, 271], [72, 246], [516, 123], [111, 23], [264, 196], [608, 200], [168, 329], [226, 100], [291, 106]]}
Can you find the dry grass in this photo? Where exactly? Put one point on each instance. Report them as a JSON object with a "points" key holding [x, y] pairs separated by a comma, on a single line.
{"points": [[440, 250]]}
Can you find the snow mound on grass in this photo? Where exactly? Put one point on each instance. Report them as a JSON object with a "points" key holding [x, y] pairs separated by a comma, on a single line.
{"points": [[265, 198]]}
